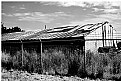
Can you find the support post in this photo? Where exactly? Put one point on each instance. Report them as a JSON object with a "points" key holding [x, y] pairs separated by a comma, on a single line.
{"points": [[22, 51], [84, 56], [41, 57], [103, 35], [45, 27], [110, 41], [112, 37]]}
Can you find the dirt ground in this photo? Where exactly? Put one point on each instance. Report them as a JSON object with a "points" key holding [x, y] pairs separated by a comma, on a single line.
{"points": [[25, 76]]}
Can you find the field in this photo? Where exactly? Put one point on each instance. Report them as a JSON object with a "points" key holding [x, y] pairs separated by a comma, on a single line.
{"points": [[99, 67]]}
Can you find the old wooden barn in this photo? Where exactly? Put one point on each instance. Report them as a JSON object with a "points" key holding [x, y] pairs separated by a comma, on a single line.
{"points": [[71, 41]]}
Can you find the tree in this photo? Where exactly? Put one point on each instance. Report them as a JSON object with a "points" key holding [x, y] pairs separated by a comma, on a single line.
{"points": [[3, 28], [10, 30]]}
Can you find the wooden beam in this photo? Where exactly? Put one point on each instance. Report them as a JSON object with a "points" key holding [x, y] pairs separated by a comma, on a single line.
{"points": [[22, 51], [45, 27], [84, 57], [103, 35], [100, 39], [112, 36], [41, 56]]}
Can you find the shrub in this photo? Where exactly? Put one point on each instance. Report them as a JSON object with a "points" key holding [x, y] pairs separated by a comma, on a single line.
{"points": [[60, 62], [5, 57], [29, 63], [55, 62], [105, 64], [33, 61], [95, 64], [6, 61], [17, 60]]}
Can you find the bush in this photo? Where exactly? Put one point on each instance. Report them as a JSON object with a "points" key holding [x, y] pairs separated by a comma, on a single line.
{"points": [[55, 62], [6, 61], [60, 62], [30, 61], [102, 65], [5, 58], [17, 60]]}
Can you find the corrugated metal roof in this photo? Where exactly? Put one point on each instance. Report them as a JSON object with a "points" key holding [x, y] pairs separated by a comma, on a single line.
{"points": [[60, 32], [16, 35]]}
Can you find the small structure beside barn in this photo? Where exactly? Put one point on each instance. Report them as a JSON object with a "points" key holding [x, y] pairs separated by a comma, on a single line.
{"points": [[71, 41], [101, 36]]}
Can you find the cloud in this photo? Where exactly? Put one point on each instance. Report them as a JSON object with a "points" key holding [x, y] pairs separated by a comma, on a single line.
{"points": [[18, 7], [108, 9], [97, 9], [108, 6], [68, 3], [110, 16], [22, 8], [40, 19], [39, 16], [8, 15], [21, 14], [12, 7], [87, 21], [83, 3], [111, 11]]}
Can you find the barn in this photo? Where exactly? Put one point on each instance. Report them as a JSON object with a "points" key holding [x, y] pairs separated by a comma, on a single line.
{"points": [[47, 43], [70, 41]]}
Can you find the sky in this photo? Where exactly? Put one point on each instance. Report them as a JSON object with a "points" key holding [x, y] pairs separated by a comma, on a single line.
{"points": [[34, 15]]}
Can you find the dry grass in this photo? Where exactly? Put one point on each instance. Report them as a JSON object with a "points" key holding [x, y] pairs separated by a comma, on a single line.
{"points": [[25, 76], [107, 65], [56, 62]]}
